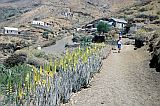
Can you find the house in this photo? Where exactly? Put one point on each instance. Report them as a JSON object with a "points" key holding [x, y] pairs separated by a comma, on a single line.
{"points": [[41, 23], [11, 30], [118, 23], [94, 23]]}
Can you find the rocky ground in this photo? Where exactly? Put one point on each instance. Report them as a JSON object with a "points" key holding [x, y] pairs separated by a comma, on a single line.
{"points": [[125, 80]]}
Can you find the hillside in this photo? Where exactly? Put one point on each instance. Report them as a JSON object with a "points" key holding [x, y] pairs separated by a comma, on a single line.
{"points": [[17, 12]]}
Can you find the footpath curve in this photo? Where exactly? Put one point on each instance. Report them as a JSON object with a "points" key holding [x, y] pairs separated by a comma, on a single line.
{"points": [[125, 80]]}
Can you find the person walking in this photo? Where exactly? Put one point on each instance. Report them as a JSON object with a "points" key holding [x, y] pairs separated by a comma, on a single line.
{"points": [[119, 43]]}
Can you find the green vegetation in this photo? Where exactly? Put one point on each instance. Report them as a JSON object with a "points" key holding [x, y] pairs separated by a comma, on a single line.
{"points": [[143, 9], [45, 35], [25, 84], [15, 59], [82, 38], [158, 12], [40, 54], [140, 32], [102, 27], [11, 80], [129, 12]]}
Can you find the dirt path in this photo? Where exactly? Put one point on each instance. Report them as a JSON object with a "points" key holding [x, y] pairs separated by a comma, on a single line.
{"points": [[59, 47], [125, 80]]}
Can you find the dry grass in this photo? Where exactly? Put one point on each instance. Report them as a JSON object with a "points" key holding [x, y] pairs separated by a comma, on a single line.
{"points": [[151, 9], [9, 39]]}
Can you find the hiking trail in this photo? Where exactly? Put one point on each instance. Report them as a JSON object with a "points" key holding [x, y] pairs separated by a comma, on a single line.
{"points": [[125, 80]]}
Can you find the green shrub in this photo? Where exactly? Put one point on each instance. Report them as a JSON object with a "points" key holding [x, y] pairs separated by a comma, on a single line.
{"points": [[15, 59], [102, 27], [142, 9], [129, 12], [45, 35], [158, 12], [140, 33], [49, 43], [41, 55]]}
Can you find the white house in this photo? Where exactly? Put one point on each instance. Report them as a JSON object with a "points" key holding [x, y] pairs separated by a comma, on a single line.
{"points": [[41, 23], [11, 30], [118, 23]]}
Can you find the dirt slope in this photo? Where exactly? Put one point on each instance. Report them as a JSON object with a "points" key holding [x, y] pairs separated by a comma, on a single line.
{"points": [[125, 80]]}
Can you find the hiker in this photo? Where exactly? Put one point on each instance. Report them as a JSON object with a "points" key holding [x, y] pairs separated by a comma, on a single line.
{"points": [[119, 43]]}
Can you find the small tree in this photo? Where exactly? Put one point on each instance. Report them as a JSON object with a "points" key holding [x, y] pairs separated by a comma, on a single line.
{"points": [[45, 35], [102, 27]]}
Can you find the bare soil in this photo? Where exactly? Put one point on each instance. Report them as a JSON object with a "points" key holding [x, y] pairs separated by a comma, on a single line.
{"points": [[125, 80]]}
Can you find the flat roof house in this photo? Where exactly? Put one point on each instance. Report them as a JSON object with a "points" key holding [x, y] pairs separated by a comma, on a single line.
{"points": [[11, 30], [118, 23], [42, 25]]}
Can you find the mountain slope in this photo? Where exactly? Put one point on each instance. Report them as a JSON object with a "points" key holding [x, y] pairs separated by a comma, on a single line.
{"points": [[82, 10]]}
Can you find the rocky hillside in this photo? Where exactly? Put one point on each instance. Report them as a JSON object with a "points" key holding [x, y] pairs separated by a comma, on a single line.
{"points": [[18, 12]]}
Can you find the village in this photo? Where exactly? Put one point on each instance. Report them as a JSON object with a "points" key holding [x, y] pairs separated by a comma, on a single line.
{"points": [[47, 28]]}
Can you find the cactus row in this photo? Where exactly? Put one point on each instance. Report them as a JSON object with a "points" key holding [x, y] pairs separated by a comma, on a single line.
{"points": [[54, 83]]}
